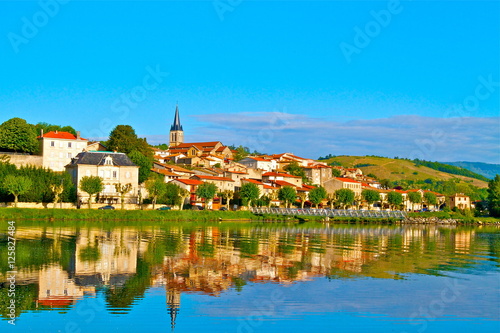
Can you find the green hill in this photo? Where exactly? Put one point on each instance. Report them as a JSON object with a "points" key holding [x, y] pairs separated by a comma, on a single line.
{"points": [[399, 169]]}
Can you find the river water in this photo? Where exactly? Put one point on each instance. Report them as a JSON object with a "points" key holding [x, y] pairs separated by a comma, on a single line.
{"points": [[188, 277]]}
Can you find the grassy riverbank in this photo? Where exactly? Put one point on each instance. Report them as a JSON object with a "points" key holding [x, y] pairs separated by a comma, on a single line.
{"points": [[155, 216]]}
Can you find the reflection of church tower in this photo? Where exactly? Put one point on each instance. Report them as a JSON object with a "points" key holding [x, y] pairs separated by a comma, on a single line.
{"points": [[173, 304], [176, 132]]}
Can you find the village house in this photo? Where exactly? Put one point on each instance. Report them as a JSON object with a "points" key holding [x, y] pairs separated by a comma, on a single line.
{"points": [[182, 172], [190, 185], [167, 175], [338, 183], [58, 148], [236, 176], [260, 163], [222, 183], [318, 173], [459, 200], [279, 176], [113, 168]]}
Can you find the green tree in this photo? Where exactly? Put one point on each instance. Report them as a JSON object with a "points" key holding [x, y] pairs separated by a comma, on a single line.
{"points": [[207, 192], [144, 162], [303, 198], [241, 153], [183, 194], [287, 194], [336, 172], [91, 185], [494, 196], [395, 199], [17, 185], [317, 195], [17, 135], [49, 127], [414, 198], [171, 195], [295, 169], [344, 197], [370, 196], [123, 190], [156, 187], [226, 195], [430, 199], [385, 184], [249, 192], [57, 190]]}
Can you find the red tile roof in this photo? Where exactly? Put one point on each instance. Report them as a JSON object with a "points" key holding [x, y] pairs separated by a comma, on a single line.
{"points": [[254, 181], [277, 174], [347, 180], [223, 179], [165, 172], [61, 135], [283, 183], [190, 181]]}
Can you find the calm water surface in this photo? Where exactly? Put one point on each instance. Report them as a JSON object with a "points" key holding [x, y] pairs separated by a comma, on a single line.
{"points": [[254, 278]]}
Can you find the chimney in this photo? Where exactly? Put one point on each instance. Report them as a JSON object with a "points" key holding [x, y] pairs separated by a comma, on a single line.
{"points": [[56, 131], [78, 135], [41, 132]]}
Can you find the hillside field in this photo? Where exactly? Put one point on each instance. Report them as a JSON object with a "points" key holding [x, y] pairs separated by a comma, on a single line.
{"points": [[396, 169]]}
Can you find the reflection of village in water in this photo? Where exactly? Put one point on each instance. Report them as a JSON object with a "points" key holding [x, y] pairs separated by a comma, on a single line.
{"points": [[125, 262]]}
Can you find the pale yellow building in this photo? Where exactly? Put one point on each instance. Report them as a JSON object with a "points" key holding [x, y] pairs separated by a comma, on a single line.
{"points": [[113, 168]]}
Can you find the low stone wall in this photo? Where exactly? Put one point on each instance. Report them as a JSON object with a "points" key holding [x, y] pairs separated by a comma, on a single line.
{"points": [[428, 220], [21, 160]]}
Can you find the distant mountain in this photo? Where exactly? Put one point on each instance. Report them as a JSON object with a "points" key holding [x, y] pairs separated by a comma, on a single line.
{"points": [[485, 169]]}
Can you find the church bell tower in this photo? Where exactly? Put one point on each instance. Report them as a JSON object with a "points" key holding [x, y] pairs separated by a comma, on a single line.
{"points": [[176, 132]]}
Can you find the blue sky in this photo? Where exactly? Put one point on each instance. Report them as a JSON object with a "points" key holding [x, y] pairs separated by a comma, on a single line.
{"points": [[417, 79]]}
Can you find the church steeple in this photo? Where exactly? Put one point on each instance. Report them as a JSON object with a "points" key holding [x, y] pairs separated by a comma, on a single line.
{"points": [[176, 126], [176, 131]]}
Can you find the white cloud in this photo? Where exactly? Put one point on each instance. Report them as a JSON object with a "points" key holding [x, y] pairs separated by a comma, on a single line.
{"points": [[441, 139]]}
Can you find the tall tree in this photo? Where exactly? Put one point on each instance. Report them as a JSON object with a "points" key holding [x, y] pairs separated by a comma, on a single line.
{"points": [[249, 192], [91, 185], [430, 199], [370, 196], [144, 162], [344, 197], [57, 189], [317, 195], [183, 194], [295, 169], [303, 198], [19, 136], [207, 192], [171, 196], [17, 185], [414, 198], [226, 195], [156, 187], [494, 196], [124, 140], [287, 194], [395, 199], [49, 127], [123, 190]]}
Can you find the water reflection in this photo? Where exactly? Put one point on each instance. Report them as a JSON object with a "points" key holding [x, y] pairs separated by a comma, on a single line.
{"points": [[57, 267]]}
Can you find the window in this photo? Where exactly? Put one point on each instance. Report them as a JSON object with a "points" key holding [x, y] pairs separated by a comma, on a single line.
{"points": [[87, 173], [61, 155], [52, 143], [127, 175], [101, 173], [70, 155], [61, 144], [115, 174], [69, 144]]}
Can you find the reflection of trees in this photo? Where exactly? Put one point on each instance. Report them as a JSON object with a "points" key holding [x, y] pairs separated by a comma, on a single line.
{"points": [[25, 298], [122, 297]]}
